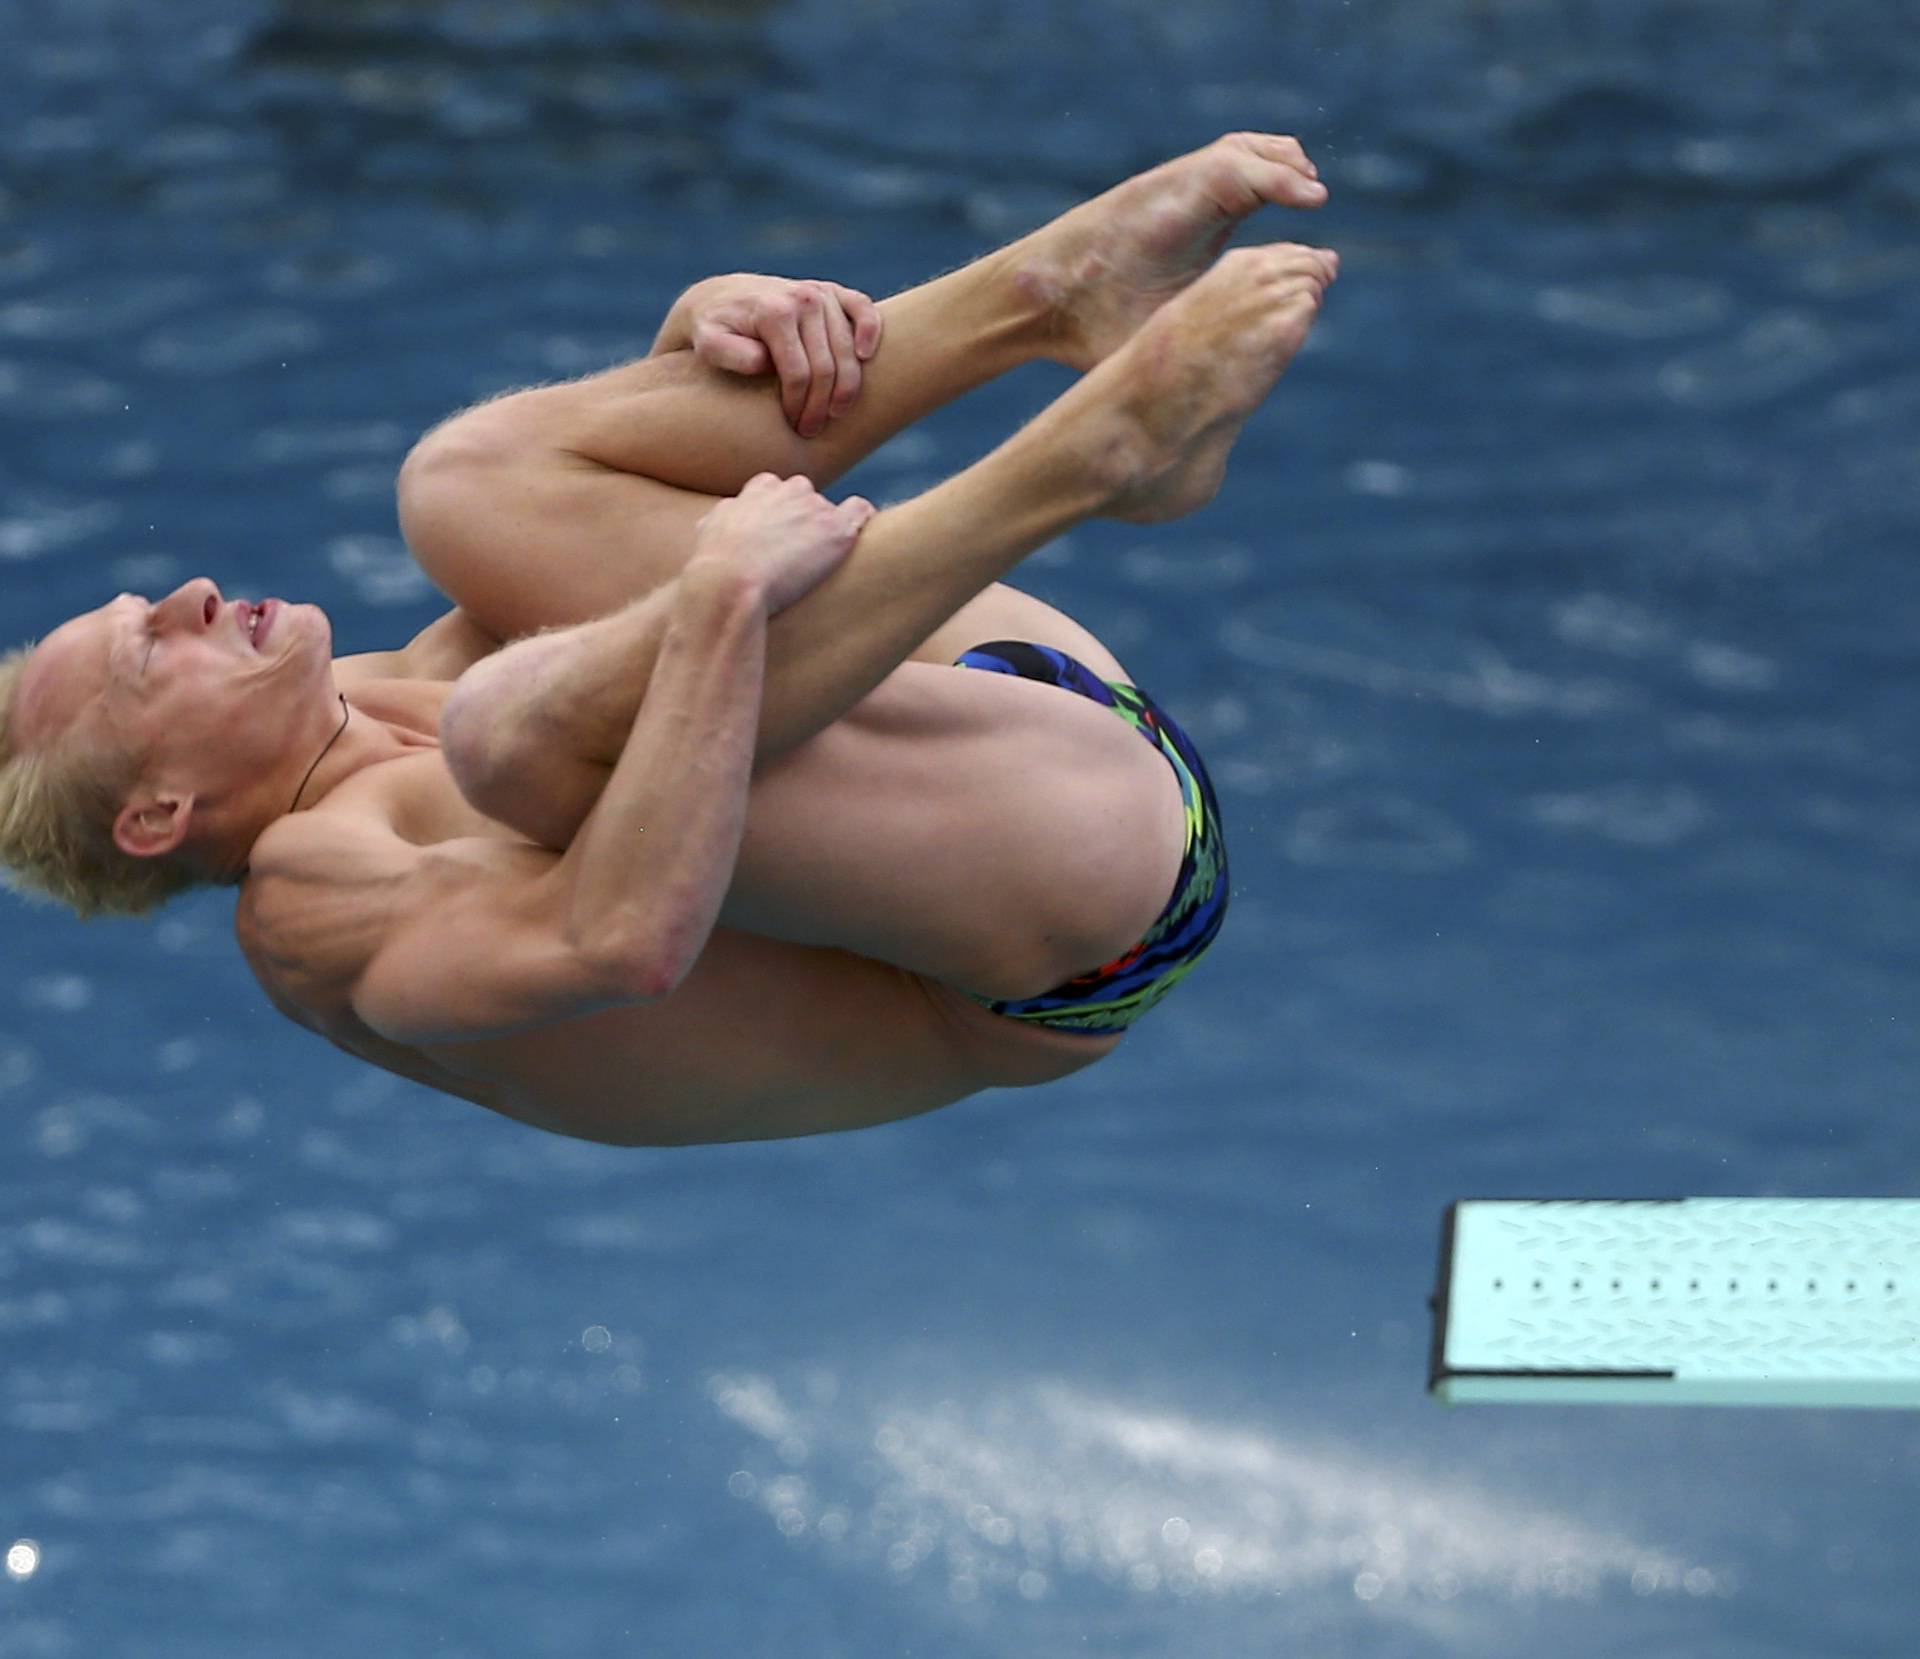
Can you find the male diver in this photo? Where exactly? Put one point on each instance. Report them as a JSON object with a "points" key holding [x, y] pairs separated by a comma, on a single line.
{"points": [[730, 850]]}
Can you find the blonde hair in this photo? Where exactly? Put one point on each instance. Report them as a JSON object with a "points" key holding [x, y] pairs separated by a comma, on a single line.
{"points": [[57, 806]]}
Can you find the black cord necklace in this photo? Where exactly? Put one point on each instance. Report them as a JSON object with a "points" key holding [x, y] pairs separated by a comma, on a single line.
{"points": [[321, 756]]}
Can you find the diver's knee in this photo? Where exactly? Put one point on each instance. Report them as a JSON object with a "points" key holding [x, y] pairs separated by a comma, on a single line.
{"points": [[477, 739]]}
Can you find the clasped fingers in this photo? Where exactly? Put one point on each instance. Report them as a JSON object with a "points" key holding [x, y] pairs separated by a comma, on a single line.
{"points": [[815, 336]]}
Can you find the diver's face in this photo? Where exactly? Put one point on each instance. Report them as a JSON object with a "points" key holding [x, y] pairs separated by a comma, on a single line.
{"points": [[208, 691]]}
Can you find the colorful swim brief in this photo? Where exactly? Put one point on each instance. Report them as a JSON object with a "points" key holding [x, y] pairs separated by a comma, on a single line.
{"points": [[1111, 997]]}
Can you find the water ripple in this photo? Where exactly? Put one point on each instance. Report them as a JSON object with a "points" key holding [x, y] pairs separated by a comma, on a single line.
{"points": [[331, 440], [1490, 684], [351, 1231], [1378, 832], [331, 1419], [69, 1126], [1778, 353], [94, 1247], [225, 345], [1190, 565], [202, 195], [380, 568], [55, 391], [1635, 815], [331, 274], [21, 258], [105, 307], [1601, 622], [1857, 272], [1638, 308], [19, 1065], [50, 525], [36, 1311]]}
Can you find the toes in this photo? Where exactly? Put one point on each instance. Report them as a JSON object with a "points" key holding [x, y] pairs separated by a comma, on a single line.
{"points": [[1274, 147], [1283, 186], [1240, 181], [1292, 259], [1276, 291], [1276, 261], [1278, 168]]}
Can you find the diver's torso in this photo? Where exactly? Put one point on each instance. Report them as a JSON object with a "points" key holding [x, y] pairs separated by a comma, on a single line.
{"points": [[764, 1038]]}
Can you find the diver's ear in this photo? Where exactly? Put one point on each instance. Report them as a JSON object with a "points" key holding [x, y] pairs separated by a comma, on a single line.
{"points": [[152, 824]]}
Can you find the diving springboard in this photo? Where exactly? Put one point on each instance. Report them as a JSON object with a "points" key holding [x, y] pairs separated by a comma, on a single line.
{"points": [[1679, 1301]]}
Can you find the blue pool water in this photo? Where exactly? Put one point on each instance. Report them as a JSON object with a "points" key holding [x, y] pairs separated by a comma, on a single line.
{"points": [[1554, 646]]}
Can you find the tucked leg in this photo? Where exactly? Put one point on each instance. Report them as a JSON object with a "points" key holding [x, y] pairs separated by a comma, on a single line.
{"points": [[566, 502], [531, 732]]}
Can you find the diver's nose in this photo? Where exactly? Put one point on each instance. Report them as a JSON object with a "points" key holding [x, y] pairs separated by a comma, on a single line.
{"points": [[197, 602]]}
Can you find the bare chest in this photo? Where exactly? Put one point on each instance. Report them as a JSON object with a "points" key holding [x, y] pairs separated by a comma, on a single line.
{"points": [[766, 1038]]}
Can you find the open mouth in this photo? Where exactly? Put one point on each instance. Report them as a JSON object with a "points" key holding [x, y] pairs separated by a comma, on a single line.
{"points": [[260, 618]]}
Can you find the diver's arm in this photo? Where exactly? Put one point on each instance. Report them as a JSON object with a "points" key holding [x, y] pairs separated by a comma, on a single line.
{"points": [[481, 938], [531, 733], [652, 861]]}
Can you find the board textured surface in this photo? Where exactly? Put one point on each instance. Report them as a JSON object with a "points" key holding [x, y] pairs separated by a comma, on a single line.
{"points": [[1740, 1301]]}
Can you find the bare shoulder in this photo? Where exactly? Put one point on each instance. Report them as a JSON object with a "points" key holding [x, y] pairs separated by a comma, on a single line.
{"points": [[380, 913], [315, 906]]}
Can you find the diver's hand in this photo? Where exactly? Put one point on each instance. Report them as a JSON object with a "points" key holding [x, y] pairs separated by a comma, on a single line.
{"points": [[782, 533], [814, 335]]}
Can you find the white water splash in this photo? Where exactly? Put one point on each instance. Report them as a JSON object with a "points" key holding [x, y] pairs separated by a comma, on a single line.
{"points": [[1016, 1491]]}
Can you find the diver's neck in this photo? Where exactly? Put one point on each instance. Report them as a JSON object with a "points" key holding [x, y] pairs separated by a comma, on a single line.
{"points": [[376, 730], [366, 739], [408, 706]]}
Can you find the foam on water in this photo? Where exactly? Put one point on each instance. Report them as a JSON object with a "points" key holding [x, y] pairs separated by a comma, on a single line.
{"points": [[1014, 1492]]}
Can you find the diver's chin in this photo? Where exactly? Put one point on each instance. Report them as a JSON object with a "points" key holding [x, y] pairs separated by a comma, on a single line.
{"points": [[321, 625]]}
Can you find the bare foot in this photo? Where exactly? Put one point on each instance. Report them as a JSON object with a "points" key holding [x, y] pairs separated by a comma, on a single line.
{"points": [[1160, 416], [1104, 268]]}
